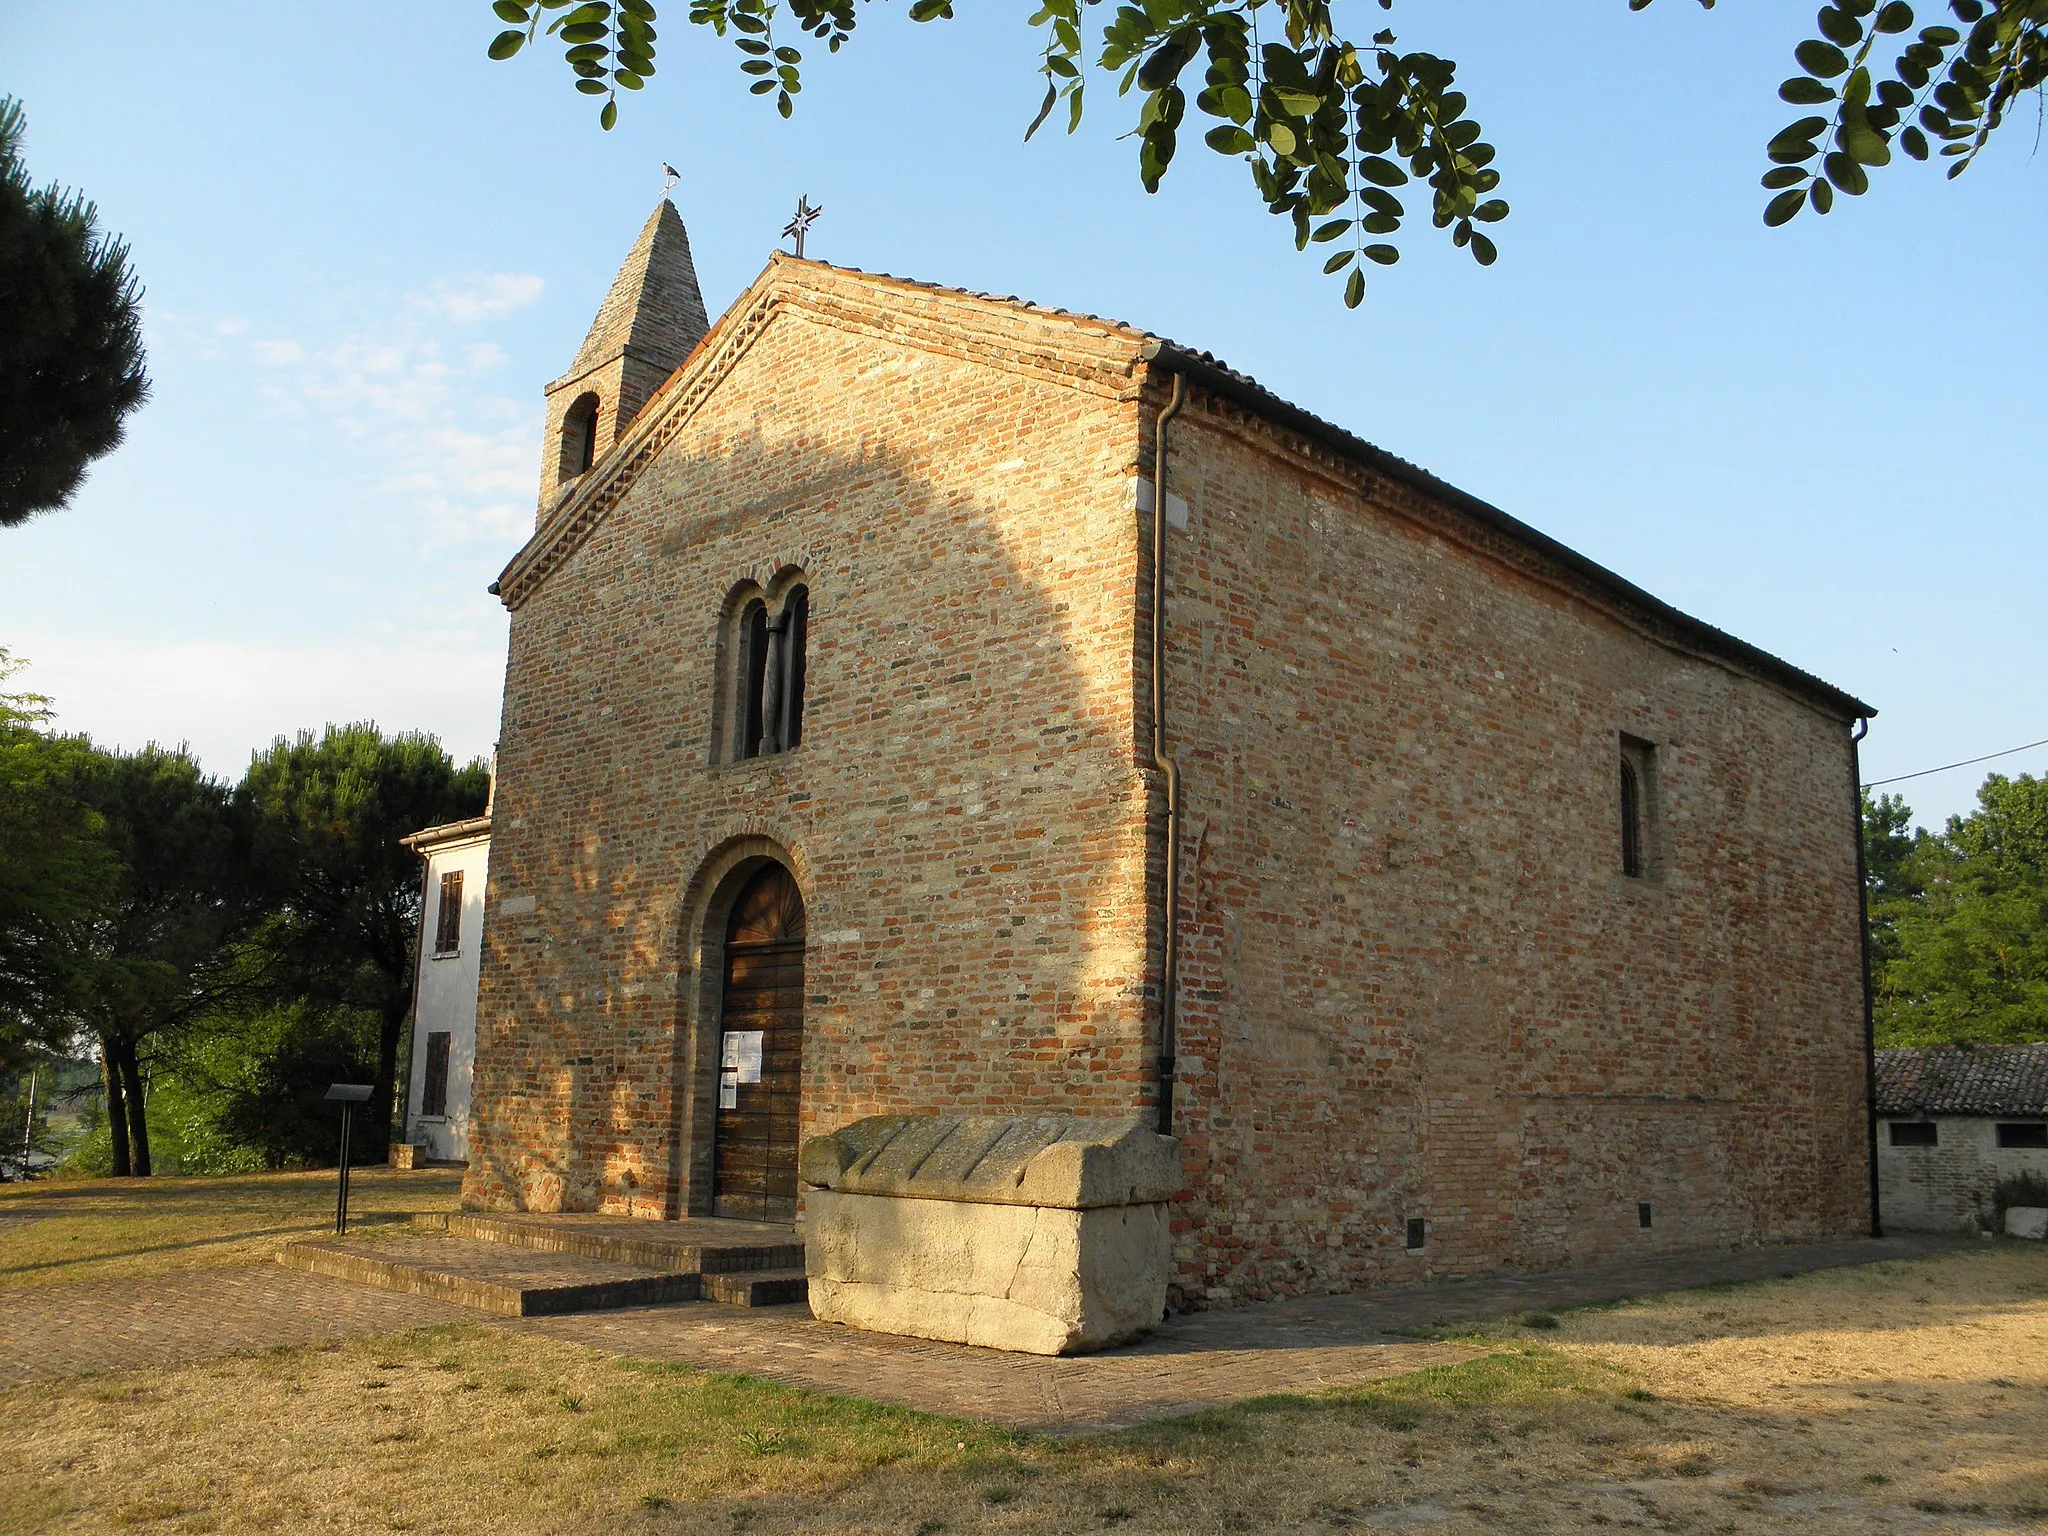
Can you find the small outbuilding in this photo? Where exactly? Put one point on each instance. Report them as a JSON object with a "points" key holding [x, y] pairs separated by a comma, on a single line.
{"points": [[457, 860], [1961, 1132]]}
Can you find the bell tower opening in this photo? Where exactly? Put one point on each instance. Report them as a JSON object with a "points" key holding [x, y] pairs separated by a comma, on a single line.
{"points": [[651, 319]]}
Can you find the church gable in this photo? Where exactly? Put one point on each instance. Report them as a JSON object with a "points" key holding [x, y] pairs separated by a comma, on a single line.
{"points": [[1094, 357]]}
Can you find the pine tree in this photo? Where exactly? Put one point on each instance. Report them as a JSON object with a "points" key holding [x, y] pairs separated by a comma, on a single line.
{"points": [[71, 360]]}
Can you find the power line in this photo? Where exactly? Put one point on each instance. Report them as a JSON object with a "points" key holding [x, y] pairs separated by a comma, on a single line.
{"points": [[1944, 768]]}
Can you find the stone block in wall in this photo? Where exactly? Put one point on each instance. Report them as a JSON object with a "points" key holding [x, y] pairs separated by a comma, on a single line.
{"points": [[1043, 1234], [409, 1154], [2027, 1221]]}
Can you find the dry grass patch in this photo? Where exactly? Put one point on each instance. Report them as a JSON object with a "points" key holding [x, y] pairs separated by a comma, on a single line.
{"points": [[56, 1231], [1927, 1378], [1838, 1403]]}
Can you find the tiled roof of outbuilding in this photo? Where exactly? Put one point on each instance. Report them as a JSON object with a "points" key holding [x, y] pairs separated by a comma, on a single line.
{"points": [[1973, 1080]]}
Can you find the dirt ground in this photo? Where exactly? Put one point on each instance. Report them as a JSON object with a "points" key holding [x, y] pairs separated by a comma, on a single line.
{"points": [[58, 1230], [1908, 1396]]}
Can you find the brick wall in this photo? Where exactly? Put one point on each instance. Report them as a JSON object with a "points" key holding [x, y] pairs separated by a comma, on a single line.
{"points": [[1416, 983], [963, 815], [1948, 1185]]}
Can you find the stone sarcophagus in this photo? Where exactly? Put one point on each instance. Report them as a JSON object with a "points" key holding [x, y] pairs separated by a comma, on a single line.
{"points": [[1041, 1233]]}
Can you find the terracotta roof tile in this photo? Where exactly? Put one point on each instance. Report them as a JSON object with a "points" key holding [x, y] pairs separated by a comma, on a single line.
{"points": [[1964, 1080]]}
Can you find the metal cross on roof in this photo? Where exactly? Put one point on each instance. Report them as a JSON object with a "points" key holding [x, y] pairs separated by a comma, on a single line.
{"points": [[800, 224], [669, 177]]}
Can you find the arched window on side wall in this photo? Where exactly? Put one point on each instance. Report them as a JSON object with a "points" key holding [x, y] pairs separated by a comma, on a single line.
{"points": [[754, 670], [772, 651], [579, 436], [1638, 808]]}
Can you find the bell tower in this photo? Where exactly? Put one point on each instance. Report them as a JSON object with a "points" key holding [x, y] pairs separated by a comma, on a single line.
{"points": [[651, 318]]}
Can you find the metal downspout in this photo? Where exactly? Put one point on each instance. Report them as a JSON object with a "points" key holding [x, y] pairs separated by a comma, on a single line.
{"points": [[1169, 985], [1863, 932]]}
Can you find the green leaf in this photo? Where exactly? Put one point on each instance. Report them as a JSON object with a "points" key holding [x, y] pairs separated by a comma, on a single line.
{"points": [[1330, 231], [1784, 176], [1846, 174], [609, 117], [1166, 63], [1805, 91], [505, 44], [1483, 250], [512, 11], [1822, 59], [1796, 142], [1784, 207], [1913, 142], [593, 88], [1339, 261], [1385, 255], [1863, 144], [1491, 212], [1821, 195], [1281, 137], [1839, 27], [1895, 17], [1230, 140], [1354, 288], [1382, 172], [1380, 223]]}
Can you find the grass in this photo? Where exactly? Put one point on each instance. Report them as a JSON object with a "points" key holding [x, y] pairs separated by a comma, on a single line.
{"points": [[1900, 1395], [53, 1231]]}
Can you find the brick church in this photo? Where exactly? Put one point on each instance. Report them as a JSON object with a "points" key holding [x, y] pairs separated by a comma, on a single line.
{"points": [[923, 702]]}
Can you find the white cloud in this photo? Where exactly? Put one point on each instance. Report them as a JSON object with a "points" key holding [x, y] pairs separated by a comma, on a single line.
{"points": [[228, 700], [482, 298], [422, 421]]}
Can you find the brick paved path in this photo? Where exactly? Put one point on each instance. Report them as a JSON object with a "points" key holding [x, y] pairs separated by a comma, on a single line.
{"points": [[1201, 1360], [110, 1325]]}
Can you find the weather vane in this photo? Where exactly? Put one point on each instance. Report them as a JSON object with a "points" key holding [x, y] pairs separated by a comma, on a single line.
{"points": [[669, 177], [800, 224]]}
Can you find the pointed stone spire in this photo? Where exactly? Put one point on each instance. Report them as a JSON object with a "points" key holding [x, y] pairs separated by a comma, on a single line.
{"points": [[654, 312], [651, 318]]}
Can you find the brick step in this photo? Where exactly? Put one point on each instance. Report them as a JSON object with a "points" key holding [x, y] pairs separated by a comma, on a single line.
{"points": [[757, 1287], [491, 1277], [702, 1246]]}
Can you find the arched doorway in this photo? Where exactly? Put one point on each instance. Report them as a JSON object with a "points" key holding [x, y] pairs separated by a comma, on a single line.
{"points": [[761, 1048]]}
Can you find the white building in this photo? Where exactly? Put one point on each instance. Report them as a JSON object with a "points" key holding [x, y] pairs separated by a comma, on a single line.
{"points": [[1956, 1124], [457, 858]]}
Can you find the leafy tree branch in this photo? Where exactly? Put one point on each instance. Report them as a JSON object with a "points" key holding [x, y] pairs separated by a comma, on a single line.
{"points": [[1329, 124]]}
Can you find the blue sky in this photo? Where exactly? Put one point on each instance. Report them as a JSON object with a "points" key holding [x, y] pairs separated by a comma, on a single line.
{"points": [[367, 249]]}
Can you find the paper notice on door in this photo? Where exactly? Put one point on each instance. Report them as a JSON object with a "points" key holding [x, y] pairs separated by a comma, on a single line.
{"points": [[728, 1091], [741, 1055]]}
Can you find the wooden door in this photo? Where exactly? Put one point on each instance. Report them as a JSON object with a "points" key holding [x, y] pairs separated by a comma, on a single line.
{"points": [[761, 1019]]}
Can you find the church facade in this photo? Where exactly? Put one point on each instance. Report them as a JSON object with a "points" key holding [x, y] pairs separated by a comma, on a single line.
{"points": [[1464, 907]]}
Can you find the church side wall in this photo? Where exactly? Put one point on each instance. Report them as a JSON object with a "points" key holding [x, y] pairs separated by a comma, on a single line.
{"points": [[964, 815], [1416, 984]]}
